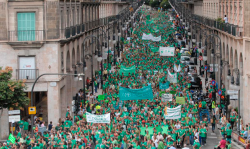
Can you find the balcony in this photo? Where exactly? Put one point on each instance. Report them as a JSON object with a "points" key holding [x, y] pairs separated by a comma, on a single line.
{"points": [[28, 74], [26, 38], [230, 29]]}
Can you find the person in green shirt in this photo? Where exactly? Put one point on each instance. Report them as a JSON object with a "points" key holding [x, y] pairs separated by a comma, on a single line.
{"points": [[21, 126], [203, 134], [232, 119], [229, 132], [223, 131], [197, 144], [25, 127]]}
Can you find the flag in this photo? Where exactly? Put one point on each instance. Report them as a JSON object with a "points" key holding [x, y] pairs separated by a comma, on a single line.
{"points": [[12, 139]]}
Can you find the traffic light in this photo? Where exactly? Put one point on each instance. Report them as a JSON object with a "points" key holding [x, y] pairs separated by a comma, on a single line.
{"points": [[76, 104]]}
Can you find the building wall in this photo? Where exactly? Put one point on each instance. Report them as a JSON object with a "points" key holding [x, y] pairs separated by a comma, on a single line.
{"points": [[57, 54]]}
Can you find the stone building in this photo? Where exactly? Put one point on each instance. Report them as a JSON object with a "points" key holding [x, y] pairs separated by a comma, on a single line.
{"points": [[234, 41], [46, 36]]}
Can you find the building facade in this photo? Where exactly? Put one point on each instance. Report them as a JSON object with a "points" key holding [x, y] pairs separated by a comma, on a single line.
{"points": [[233, 41], [47, 36]]}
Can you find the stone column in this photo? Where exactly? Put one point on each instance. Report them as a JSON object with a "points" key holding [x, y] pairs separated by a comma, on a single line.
{"points": [[54, 104], [3, 26], [52, 19], [4, 124]]}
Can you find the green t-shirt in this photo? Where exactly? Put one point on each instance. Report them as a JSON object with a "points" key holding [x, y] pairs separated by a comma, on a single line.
{"points": [[21, 124], [229, 132], [26, 126], [232, 118], [197, 144], [203, 132]]}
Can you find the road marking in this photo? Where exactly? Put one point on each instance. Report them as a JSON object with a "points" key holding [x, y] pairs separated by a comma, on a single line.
{"points": [[213, 134], [212, 137]]}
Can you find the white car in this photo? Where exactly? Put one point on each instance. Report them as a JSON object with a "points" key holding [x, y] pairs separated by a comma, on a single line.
{"points": [[185, 60]]}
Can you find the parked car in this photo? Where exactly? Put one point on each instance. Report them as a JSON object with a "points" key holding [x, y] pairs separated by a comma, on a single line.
{"points": [[185, 60], [191, 68], [195, 80]]}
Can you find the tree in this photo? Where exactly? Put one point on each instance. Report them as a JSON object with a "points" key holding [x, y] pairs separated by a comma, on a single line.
{"points": [[154, 3], [12, 93], [165, 4]]}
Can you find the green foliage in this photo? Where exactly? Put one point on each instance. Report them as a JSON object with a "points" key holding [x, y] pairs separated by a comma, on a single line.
{"points": [[12, 93], [220, 20], [147, 2], [165, 4], [154, 3]]}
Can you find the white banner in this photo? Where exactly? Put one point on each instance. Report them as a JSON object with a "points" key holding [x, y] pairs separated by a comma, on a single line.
{"points": [[172, 113], [172, 78], [166, 97], [177, 69], [167, 51], [92, 118], [150, 37]]}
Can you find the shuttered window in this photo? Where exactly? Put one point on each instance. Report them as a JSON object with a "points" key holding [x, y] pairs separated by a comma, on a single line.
{"points": [[26, 26]]}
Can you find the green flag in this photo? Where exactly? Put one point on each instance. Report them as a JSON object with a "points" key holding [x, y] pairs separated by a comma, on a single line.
{"points": [[12, 139], [101, 97]]}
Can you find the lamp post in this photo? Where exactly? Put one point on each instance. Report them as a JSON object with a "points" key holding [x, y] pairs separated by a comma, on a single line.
{"points": [[100, 54], [32, 90], [213, 54], [236, 86], [92, 56]]}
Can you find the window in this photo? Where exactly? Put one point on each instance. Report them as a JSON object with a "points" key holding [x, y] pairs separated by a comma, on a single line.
{"points": [[26, 26], [27, 68]]}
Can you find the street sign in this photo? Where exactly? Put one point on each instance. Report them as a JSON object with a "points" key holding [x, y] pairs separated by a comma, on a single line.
{"points": [[205, 67], [14, 112], [32, 110], [219, 92], [233, 96], [200, 58], [15, 118], [232, 92], [213, 82]]}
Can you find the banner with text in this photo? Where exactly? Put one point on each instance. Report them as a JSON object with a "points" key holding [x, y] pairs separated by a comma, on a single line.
{"points": [[172, 78], [127, 70], [136, 94], [172, 113], [92, 118], [164, 86], [166, 97], [167, 51], [150, 37]]}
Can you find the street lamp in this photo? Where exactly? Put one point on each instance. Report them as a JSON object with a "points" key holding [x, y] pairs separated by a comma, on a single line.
{"points": [[91, 56], [32, 90], [236, 86]]}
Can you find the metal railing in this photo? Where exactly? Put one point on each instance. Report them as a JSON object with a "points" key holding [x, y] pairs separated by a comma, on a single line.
{"points": [[28, 74], [26, 35], [225, 27], [68, 32]]}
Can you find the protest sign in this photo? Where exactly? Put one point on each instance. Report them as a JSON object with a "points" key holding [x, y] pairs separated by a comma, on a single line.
{"points": [[167, 51], [172, 113], [172, 78], [92, 118], [166, 97], [136, 94], [12, 139], [164, 86], [180, 100]]}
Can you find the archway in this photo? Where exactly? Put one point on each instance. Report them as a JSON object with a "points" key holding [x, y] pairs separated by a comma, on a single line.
{"points": [[73, 57], [68, 62], [235, 60], [78, 56], [231, 58], [241, 64]]}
